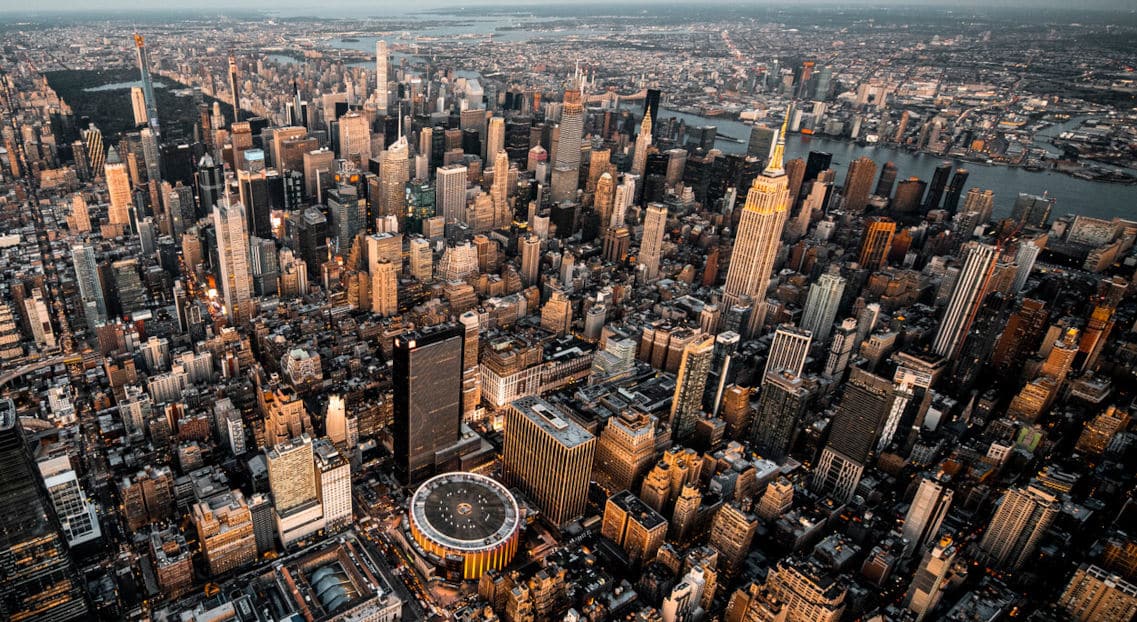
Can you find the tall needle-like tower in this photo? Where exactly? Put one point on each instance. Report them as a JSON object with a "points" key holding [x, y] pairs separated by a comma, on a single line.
{"points": [[759, 234]]}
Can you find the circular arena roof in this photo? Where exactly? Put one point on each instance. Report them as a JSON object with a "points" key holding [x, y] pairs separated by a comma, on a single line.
{"points": [[465, 511]]}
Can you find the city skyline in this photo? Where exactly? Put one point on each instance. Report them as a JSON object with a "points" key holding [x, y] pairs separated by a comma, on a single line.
{"points": [[658, 312]]}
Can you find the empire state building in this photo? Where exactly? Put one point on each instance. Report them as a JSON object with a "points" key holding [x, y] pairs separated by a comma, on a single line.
{"points": [[759, 234]]}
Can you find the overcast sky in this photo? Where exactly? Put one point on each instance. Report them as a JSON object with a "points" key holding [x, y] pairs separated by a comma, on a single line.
{"points": [[379, 7]]}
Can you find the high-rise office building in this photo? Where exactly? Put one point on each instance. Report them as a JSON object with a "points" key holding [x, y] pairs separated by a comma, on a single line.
{"points": [[566, 165], [233, 256], [499, 191], [809, 591], [235, 88], [955, 191], [90, 285], [471, 377], [643, 144], [876, 243], [931, 578], [970, 289], [761, 143], [816, 162], [732, 533], [1023, 517], [887, 180], [495, 138], [757, 241], [333, 484], [1096, 595], [844, 340], [925, 515], [354, 137], [384, 289], [1025, 257], [394, 175], [788, 351], [39, 580], [822, 303], [530, 259], [428, 398], [633, 525], [118, 190], [860, 415], [381, 78], [858, 183], [651, 246], [687, 402], [138, 106], [78, 516], [937, 186], [451, 185], [780, 409], [625, 450], [549, 457], [225, 533]]}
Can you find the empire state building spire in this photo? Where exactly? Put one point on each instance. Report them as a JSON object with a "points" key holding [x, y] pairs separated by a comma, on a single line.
{"points": [[776, 166], [758, 238]]}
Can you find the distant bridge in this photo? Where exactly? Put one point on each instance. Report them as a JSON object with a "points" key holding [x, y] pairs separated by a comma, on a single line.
{"points": [[611, 96]]}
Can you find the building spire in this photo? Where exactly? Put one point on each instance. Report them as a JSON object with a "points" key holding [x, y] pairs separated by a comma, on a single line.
{"points": [[776, 165]]}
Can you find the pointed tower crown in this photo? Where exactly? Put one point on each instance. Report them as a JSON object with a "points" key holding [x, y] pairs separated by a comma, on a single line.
{"points": [[777, 165]]}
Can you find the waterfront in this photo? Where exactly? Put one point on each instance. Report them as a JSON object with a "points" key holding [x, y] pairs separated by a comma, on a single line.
{"points": [[1074, 195]]}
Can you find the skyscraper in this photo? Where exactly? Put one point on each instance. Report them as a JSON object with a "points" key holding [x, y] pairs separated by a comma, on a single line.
{"points": [[530, 259], [495, 139], [876, 243], [789, 350], [354, 137], [928, 585], [499, 191], [451, 184], [39, 580], [687, 403], [233, 256], [235, 88], [651, 246], [150, 103], [138, 106], [1023, 517], [384, 288], [858, 183], [970, 288], [395, 173], [955, 191], [90, 286], [643, 143], [822, 303], [1025, 257], [566, 166], [783, 402], [471, 378], [428, 398], [925, 515], [118, 189], [887, 180], [863, 409], [732, 533], [936, 188], [381, 76], [549, 457], [759, 232], [1095, 595]]}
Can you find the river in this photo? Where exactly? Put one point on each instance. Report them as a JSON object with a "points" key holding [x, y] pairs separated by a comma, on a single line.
{"points": [[1074, 195]]}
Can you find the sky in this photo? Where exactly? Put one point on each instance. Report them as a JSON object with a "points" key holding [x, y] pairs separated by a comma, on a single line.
{"points": [[379, 7]]}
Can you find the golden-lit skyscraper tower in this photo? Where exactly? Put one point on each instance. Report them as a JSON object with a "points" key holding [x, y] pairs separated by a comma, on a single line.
{"points": [[643, 142], [759, 234]]}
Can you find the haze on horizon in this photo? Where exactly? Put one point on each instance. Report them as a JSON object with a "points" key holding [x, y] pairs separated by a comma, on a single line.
{"points": [[378, 7]]}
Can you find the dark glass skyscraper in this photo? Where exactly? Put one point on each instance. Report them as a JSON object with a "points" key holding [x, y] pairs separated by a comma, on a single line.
{"points": [[818, 161], [955, 190], [37, 578], [428, 398], [937, 187]]}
